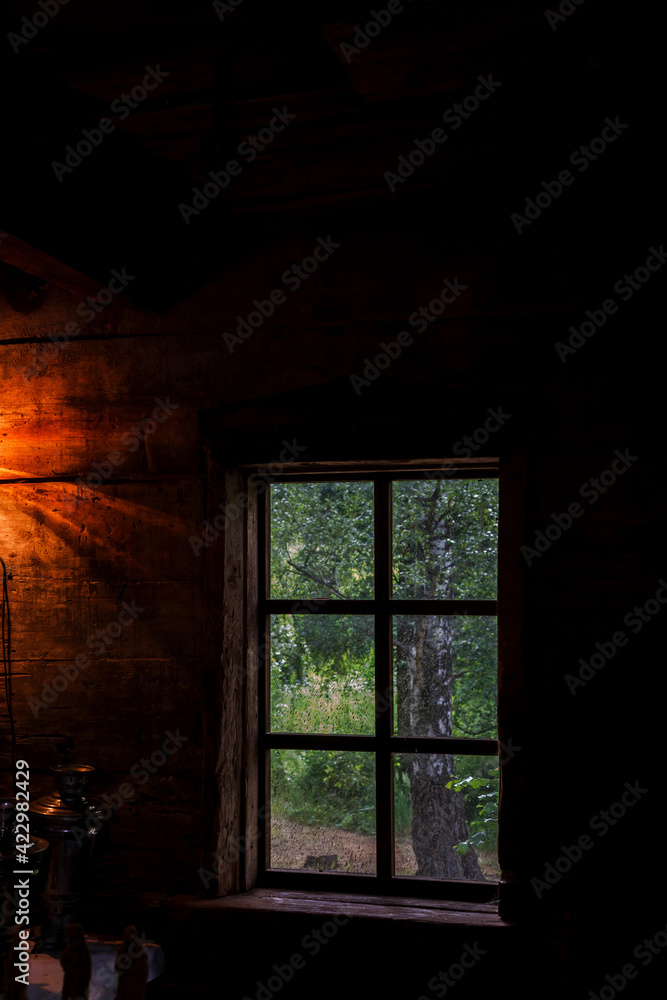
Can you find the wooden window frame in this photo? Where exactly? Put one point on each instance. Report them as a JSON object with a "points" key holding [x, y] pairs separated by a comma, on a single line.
{"points": [[240, 830]]}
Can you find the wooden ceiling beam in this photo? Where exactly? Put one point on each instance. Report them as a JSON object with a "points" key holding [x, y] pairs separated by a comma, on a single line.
{"points": [[33, 261]]}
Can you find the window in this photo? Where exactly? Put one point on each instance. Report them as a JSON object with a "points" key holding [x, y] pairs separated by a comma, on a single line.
{"points": [[378, 765]]}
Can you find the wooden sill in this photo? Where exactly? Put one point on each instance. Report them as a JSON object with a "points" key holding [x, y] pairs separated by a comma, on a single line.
{"points": [[325, 904]]}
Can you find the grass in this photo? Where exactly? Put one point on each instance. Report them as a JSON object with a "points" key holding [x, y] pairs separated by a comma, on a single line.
{"points": [[335, 790]]}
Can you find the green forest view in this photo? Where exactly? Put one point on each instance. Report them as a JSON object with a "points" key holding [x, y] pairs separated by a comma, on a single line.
{"points": [[322, 677]]}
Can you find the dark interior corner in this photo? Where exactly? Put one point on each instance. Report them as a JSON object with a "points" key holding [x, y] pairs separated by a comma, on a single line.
{"points": [[244, 247]]}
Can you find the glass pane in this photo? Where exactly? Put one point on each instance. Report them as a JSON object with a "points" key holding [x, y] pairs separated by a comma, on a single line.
{"points": [[322, 674], [445, 539], [446, 816], [321, 540], [323, 810], [445, 675]]}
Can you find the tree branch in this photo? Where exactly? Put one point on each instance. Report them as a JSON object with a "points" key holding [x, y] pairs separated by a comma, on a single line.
{"points": [[316, 579]]}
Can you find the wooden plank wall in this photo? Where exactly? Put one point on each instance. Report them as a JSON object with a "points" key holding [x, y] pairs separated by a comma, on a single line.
{"points": [[77, 555]]}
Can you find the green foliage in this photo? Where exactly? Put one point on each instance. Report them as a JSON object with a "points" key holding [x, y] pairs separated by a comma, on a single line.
{"points": [[327, 787], [329, 645], [402, 800], [475, 659], [480, 789], [322, 666], [322, 540], [445, 538], [324, 706], [322, 674]]}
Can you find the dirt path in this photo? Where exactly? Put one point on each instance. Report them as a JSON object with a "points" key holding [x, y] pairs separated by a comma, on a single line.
{"points": [[292, 843]]}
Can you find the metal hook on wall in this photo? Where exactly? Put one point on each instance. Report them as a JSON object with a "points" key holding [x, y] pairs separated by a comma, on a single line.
{"points": [[7, 655]]}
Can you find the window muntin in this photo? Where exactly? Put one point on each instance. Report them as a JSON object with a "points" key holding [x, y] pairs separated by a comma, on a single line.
{"points": [[346, 624]]}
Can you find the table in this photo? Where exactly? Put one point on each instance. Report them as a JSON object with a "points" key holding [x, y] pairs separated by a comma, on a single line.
{"points": [[46, 974]]}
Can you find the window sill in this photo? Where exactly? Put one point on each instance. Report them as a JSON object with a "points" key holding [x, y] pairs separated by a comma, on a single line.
{"points": [[395, 909]]}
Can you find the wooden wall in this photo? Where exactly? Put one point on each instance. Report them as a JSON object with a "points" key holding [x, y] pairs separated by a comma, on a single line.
{"points": [[77, 554]]}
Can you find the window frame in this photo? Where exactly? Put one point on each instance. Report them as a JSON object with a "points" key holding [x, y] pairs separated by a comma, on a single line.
{"points": [[231, 718], [383, 743]]}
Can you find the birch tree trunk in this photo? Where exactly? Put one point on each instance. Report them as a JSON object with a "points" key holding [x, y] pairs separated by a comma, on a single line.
{"points": [[424, 691]]}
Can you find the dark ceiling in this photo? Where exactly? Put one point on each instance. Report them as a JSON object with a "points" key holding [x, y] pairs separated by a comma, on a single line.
{"points": [[230, 69]]}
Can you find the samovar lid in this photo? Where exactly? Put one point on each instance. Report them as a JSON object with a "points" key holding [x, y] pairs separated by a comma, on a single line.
{"points": [[68, 801]]}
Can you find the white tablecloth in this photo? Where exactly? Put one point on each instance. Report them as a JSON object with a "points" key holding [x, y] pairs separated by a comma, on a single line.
{"points": [[46, 974]]}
